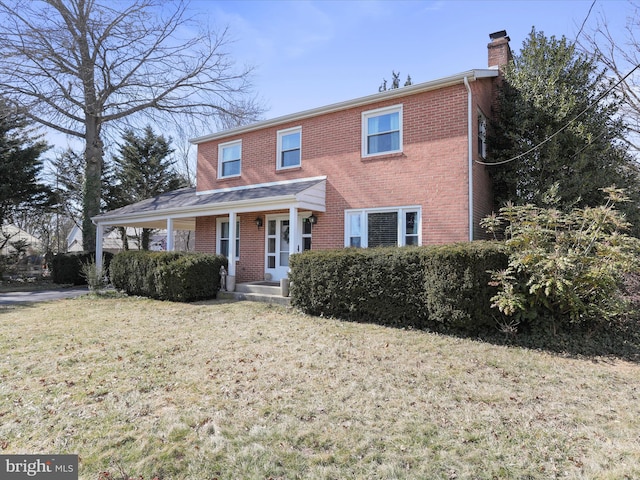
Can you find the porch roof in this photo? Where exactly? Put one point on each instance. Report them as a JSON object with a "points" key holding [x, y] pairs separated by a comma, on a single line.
{"points": [[184, 205]]}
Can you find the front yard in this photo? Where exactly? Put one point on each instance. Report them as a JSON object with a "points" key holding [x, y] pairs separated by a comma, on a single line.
{"points": [[240, 390]]}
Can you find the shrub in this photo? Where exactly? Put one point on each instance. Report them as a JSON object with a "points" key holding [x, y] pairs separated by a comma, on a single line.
{"points": [[457, 284], [566, 269], [67, 268], [382, 285], [95, 277], [417, 287], [175, 276]]}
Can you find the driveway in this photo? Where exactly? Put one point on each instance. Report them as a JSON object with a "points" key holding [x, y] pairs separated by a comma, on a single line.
{"points": [[41, 295]]}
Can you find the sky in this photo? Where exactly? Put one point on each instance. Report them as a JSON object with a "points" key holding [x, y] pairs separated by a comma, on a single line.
{"points": [[308, 54]]}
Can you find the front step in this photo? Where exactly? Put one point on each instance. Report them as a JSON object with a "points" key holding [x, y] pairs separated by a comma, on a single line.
{"points": [[267, 292]]}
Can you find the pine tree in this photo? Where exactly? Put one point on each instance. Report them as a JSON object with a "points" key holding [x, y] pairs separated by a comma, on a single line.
{"points": [[142, 169], [20, 165], [558, 125]]}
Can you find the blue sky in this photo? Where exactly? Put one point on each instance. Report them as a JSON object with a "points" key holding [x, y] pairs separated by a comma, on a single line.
{"points": [[312, 53]]}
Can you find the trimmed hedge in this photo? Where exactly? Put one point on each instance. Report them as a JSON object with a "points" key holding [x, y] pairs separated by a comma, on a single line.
{"points": [[435, 287], [174, 276], [66, 268]]}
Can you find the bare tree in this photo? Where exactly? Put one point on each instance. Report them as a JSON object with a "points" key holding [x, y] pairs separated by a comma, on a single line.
{"points": [[77, 66], [619, 52]]}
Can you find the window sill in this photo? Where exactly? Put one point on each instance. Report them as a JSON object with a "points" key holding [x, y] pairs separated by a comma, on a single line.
{"points": [[383, 156], [288, 169]]}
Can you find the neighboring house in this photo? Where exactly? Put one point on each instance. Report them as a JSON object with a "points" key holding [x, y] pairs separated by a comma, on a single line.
{"points": [[112, 241], [393, 168], [11, 233]]}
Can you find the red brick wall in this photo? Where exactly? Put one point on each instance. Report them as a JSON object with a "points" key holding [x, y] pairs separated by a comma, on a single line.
{"points": [[432, 171]]}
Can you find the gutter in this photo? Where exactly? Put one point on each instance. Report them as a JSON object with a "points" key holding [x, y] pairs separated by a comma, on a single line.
{"points": [[470, 148], [357, 102]]}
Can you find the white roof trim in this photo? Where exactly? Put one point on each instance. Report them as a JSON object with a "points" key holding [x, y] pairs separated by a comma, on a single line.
{"points": [[470, 75]]}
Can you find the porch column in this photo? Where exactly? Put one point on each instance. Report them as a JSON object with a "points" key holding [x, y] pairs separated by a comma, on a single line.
{"points": [[231, 270], [99, 235], [294, 247], [170, 243]]}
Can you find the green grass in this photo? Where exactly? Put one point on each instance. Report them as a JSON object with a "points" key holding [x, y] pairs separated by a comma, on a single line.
{"points": [[240, 390]]}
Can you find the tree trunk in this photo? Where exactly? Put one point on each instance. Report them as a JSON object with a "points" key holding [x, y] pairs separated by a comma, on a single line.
{"points": [[92, 183]]}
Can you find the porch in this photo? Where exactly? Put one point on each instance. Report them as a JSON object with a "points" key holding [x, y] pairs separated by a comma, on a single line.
{"points": [[218, 216]]}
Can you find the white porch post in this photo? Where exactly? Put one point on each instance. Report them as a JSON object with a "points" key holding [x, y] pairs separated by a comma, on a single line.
{"points": [[170, 237], [99, 239], [231, 270], [294, 246]]}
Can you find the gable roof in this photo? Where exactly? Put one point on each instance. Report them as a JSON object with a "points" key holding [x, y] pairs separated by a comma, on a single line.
{"points": [[186, 203], [470, 75]]}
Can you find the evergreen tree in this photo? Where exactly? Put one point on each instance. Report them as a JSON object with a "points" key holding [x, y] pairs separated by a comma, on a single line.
{"points": [[558, 124], [142, 169], [20, 165]]}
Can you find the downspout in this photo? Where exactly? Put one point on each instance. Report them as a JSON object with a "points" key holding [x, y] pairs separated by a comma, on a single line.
{"points": [[470, 148]]}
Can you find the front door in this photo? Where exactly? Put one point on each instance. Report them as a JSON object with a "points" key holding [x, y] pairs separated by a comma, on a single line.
{"points": [[277, 247], [278, 244]]}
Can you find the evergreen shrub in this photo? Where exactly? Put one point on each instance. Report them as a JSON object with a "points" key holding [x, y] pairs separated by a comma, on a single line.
{"points": [[66, 268], [433, 287], [173, 276]]}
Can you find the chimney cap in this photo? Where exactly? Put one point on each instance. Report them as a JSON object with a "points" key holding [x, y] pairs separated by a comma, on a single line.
{"points": [[497, 35]]}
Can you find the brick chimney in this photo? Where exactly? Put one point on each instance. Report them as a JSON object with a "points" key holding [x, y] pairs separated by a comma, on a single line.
{"points": [[499, 51]]}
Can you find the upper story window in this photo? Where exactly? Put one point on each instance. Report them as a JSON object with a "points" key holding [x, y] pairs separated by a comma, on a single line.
{"points": [[229, 159], [482, 135], [382, 227], [382, 131], [289, 147]]}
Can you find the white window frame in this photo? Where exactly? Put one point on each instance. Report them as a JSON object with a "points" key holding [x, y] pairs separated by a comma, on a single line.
{"points": [[283, 133], [482, 135], [363, 214], [221, 148], [219, 238], [365, 129]]}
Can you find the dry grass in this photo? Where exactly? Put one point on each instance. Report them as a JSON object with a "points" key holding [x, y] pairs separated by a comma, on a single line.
{"points": [[241, 390]]}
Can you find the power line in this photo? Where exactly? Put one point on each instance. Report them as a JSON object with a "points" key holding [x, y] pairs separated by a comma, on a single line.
{"points": [[567, 125]]}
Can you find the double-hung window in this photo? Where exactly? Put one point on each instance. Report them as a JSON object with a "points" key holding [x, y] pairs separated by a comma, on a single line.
{"points": [[382, 131], [229, 159], [224, 237], [382, 227], [289, 148]]}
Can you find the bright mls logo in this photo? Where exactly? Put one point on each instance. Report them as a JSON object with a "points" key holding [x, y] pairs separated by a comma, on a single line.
{"points": [[49, 467]]}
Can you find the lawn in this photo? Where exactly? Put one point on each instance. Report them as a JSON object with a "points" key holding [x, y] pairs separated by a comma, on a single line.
{"points": [[249, 391]]}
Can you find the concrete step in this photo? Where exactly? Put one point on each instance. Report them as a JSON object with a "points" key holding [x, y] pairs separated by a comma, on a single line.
{"points": [[263, 288], [266, 292]]}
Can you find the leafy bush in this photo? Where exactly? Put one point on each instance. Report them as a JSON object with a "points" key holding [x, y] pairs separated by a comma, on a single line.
{"points": [[67, 268], [417, 287], [175, 276], [565, 269]]}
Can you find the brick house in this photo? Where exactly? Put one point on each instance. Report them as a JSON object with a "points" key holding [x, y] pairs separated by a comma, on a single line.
{"points": [[393, 168]]}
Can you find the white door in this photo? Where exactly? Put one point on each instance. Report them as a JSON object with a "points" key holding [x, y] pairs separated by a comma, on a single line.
{"points": [[277, 247], [278, 244]]}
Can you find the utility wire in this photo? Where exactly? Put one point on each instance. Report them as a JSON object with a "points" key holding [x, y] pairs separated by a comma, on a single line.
{"points": [[567, 125]]}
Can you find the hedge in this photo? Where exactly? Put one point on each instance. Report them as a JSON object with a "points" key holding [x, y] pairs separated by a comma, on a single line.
{"points": [[66, 268], [435, 287], [174, 276]]}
